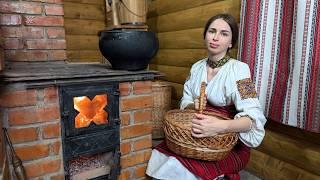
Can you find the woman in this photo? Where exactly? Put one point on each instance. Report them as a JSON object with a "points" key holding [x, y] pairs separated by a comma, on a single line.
{"points": [[228, 85]]}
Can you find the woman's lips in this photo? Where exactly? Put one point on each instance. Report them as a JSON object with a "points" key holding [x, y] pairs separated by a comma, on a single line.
{"points": [[213, 45]]}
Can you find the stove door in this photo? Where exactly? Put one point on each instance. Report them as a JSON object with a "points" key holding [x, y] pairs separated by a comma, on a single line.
{"points": [[89, 109]]}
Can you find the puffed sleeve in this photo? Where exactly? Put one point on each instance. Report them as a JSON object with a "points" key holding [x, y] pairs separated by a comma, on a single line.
{"points": [[187, 97], [192, 84], [187, 94], [247, 104]]}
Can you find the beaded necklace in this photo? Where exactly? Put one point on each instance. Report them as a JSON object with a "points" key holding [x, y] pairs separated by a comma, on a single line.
{"points": [[216, 64]]}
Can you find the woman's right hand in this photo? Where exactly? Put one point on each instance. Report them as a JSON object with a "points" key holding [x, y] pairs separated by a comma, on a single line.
{"points": [[206, 126]]}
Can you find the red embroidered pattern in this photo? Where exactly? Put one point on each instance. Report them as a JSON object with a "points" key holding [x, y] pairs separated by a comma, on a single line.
{"points": [[246, 88]]}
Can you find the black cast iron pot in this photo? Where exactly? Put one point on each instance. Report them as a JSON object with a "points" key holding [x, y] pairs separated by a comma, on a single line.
{"points": [[128, 50]]}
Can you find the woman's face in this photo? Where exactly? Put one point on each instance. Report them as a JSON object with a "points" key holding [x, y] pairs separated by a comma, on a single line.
{"points": [[218, 38]]}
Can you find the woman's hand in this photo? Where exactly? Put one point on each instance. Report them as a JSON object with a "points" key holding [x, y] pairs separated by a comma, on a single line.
{"points": [[206, 126]]}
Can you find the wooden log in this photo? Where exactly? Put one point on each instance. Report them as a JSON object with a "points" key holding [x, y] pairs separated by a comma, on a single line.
{"points": [[83, 20], [301, 154], [182, 57], [83, 27], [82, 42], [160, 7], [270, 168], [1, 58], [98, 2], [76, 10], [173, 73], [194, 17], [177, 90], [84, 56], [179, 57], [294, 132], [185, 39]]}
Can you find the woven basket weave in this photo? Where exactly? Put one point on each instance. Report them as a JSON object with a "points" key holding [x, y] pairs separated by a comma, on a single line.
{"points": [[177, 128], [161, 93]]}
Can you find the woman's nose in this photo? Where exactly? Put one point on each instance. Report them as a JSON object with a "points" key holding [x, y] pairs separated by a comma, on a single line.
{"points": [[215, 36]]}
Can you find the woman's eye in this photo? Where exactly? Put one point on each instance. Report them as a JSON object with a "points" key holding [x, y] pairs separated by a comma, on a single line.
{"points": [[211, 31]]}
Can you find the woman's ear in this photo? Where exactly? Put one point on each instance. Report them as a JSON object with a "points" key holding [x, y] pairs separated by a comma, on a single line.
{"points": [[230, 46]]}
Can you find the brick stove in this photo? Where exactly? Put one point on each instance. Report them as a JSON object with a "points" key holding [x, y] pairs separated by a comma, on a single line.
{"points": [[40, 110]]}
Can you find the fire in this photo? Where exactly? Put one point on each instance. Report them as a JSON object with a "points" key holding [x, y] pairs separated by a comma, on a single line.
{"points": [[90, 111]]}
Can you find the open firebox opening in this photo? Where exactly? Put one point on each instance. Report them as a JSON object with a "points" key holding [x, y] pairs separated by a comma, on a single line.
{"points": [[90, 167]]}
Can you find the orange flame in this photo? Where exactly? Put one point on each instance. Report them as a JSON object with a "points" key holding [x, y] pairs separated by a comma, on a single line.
{"points": [[90, 111]]}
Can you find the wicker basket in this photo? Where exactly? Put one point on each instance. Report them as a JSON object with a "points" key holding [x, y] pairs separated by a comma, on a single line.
{"points": [[161, 92], [177, 128]]}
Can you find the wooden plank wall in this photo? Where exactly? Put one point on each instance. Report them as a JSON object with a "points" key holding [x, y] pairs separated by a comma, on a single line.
{"points": [[1, 51], [83, 19], [179, 26], [286, 152]]}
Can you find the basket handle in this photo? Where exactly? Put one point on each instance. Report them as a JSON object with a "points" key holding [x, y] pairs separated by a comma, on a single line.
{"points": [[202, 94]]}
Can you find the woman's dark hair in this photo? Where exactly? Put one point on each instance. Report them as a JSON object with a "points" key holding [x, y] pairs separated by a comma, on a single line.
{"points": [[232, 23]]}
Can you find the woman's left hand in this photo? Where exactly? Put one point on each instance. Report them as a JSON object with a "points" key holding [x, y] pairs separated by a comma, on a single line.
{"points": [[206, 126]]}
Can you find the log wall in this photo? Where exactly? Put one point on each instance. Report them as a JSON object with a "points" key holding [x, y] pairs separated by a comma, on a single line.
{"points": [[286, 152], [83, 20], [1, 51]]}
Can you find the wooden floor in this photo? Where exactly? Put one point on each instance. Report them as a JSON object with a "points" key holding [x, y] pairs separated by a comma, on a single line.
{"points": [[246, 175]]}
